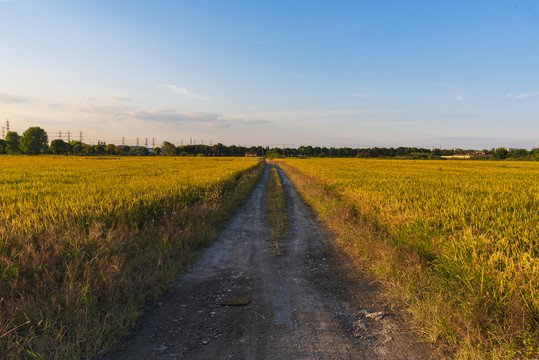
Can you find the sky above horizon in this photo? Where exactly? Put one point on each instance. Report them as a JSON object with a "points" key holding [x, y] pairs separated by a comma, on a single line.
{"points": [[322, 73]]}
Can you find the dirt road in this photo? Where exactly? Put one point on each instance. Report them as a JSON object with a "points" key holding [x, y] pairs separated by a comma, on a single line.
{"points": [[308, 303]]}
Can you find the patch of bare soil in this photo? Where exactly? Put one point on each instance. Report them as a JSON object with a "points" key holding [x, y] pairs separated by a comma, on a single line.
{"points": [[241, 302]]}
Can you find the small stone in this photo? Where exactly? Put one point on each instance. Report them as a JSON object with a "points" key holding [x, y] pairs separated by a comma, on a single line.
{"points": [[374, 315], [237, 301]]}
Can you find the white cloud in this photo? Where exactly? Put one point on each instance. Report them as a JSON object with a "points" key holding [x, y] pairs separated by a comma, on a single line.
{"points": [[10, 98], [185, 92], [522, 96]]}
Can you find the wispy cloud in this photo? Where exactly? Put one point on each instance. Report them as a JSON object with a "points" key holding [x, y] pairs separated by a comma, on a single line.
{"points": [[119, 98], [210, 120], [456, 92], [361, 91], [185, 92], [293, 114], [10, 98], [522, 96]]}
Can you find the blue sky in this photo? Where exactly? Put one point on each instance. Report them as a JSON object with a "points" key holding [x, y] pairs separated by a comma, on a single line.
{"points": [[328, 73]]}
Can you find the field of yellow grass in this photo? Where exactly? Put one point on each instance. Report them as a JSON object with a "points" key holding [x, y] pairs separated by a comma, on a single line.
{"points": [[456, 241], [85, 243]]}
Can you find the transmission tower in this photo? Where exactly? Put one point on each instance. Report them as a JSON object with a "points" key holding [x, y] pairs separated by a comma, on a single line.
{"points": [[137, 142], [3, 133], [7, 125], [69, 136], [80, 136], [123, 141], [146, 142], [153, 142], [60, 135]]}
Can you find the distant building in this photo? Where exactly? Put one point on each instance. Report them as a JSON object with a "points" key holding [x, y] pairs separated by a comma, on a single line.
{"points": [[251, 154]]}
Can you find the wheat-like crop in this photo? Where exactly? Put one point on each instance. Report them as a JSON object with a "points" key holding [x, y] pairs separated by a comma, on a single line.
{"points": [[473, 225], [84, 242]]}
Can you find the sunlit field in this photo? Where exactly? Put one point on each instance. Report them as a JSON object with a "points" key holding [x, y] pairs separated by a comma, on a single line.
{"points": [[84, 242], [462, 237]]}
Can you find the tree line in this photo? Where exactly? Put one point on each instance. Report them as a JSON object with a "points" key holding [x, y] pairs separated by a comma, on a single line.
{"points": [[34, 141]]}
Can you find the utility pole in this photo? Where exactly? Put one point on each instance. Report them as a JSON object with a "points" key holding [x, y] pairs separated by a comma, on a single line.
{"points": [[210, 142], [283, 150]]}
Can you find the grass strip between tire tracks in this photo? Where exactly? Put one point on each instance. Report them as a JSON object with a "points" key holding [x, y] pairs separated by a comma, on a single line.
{"points": [[276, 215]]}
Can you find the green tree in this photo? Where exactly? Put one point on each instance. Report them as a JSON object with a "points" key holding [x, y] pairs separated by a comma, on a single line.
{"points": [[157, 150], [111, 149], [33, 141], [3, 146], [142, 151], [99, 149], [500, 153], [12, 143], [76, 147], [518, 153], [60, 147], [168, 148]]}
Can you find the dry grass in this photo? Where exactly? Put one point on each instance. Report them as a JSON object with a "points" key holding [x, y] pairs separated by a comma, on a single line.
{"points": [[454, 242], [276, 215], [86, 244]]}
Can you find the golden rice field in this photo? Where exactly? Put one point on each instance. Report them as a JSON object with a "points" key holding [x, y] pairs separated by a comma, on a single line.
{"points": [[84, 242], [461, 240]]}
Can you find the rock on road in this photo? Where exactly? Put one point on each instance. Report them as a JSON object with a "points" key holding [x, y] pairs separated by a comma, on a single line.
{"points": [[309, 303]]}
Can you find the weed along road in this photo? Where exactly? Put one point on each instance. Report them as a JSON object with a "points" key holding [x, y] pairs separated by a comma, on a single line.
{"points": [[242, 301]]}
